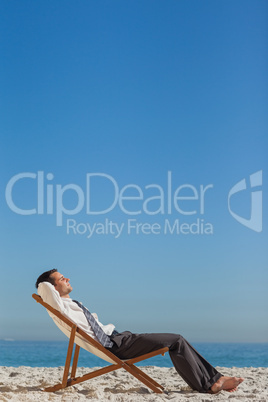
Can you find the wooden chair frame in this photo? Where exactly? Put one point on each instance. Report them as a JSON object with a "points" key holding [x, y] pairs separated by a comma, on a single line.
{"points": [[128, 365]]}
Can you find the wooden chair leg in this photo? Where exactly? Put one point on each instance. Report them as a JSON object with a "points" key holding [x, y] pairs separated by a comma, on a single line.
{"points": [[68, 357], [142, 374], [75, 360], [141, 378]]}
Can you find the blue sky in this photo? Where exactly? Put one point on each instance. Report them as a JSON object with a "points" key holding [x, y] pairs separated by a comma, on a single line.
{"points": [[134, 90]]}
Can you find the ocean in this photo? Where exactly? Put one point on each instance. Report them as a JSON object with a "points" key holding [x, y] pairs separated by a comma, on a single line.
{"points": [[53, 354]]}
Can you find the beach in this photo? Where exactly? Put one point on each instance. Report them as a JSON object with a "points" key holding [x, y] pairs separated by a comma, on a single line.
{"points": [[27, 383]]}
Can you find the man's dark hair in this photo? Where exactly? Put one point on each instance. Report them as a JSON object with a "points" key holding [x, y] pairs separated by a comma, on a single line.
{"points": [[45, 277]]}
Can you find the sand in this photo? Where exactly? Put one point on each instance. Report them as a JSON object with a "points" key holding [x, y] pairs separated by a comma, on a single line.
{"points": [[26, 384]]}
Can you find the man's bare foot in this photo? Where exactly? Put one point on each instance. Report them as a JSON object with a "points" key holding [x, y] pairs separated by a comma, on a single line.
{"points": [[229, 384]]}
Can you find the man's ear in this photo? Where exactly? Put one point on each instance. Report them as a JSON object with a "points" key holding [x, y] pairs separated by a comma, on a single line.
{"points": [[54, 286], [56, 289]]}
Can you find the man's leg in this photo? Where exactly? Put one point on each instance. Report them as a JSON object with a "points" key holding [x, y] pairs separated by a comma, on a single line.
{"points": [[191, 366]]}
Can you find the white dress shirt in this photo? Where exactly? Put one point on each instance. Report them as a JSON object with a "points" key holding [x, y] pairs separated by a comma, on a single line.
{"points": [[70, 309]]}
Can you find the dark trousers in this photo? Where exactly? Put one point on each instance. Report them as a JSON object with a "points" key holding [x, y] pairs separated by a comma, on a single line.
{"points": [[190, 365]]}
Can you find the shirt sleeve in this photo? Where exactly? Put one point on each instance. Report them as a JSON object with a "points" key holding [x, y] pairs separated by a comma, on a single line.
{"points": [[51, 296], [69, 309]]}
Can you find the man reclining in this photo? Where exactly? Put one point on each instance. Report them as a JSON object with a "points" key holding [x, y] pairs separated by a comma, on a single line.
{"points": [[190, 365]]}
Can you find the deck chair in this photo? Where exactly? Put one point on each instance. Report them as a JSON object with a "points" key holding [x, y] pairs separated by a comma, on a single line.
{"points": [[79, 337]]}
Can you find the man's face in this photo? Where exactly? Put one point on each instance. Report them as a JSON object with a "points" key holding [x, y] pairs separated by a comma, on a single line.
{"points": [[61, 284]]}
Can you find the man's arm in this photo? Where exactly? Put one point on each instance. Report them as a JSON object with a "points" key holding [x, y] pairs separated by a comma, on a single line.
{"points": [[51, 296]]}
